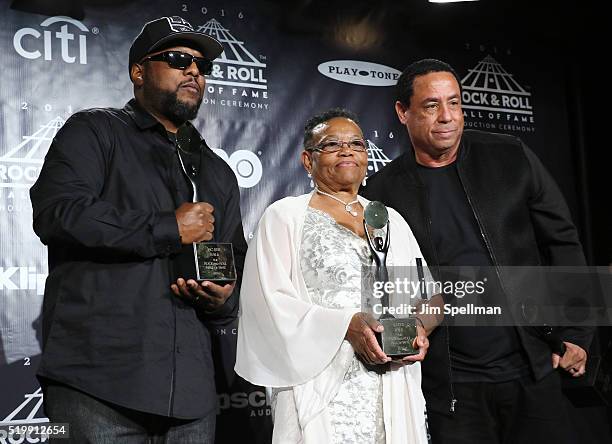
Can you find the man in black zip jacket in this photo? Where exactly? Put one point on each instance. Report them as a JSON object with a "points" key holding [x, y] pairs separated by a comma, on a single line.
{"points": [[126, 339], [481, 199]]}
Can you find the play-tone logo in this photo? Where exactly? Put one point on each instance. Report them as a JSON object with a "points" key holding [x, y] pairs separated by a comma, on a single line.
{"points": [[31, 44], [360, 73], [245, 165], [20, 165], [489, 87]]}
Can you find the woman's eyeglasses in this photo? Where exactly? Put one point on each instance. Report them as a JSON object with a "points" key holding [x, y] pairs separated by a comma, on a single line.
{"points": [[182, 60], [333, 146]]}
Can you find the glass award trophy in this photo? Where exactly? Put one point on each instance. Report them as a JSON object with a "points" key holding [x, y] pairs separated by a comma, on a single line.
{"points": [[213, 261], [399, 332]]}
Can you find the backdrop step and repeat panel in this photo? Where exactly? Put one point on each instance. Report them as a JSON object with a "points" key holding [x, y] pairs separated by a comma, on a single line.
{"points": [[268, 82]]}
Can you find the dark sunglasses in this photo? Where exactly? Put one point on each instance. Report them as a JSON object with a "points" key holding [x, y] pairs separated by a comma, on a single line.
{"points": [[182, 60]]}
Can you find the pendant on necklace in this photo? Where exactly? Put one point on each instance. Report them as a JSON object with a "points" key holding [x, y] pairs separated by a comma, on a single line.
{"points": [[349, 209]]}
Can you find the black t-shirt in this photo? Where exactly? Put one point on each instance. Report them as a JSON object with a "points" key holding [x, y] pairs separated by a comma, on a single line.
{"points": [[478, 354]]}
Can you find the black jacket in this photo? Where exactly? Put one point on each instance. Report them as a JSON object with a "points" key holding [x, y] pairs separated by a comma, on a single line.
{"points": [[104, 205], [523, 219]]}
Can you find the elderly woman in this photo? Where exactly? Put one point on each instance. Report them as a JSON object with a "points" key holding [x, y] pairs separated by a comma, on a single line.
{"points": [[301, 331]]}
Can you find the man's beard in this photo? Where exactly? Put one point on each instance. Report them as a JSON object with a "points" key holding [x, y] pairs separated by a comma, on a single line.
{"points": [[168, 104]]}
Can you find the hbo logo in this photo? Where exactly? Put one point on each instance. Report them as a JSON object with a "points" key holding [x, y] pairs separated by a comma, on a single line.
{"points": [[245, 164]]}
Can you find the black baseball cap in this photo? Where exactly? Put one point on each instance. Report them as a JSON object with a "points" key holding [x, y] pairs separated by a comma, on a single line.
{"points": [[164, 31]]}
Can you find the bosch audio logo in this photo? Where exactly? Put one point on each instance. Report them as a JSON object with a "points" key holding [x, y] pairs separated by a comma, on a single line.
{"points": [[256, 402]]}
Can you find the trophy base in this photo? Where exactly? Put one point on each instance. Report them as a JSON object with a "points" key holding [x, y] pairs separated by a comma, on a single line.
{"points": [[397, 338]]}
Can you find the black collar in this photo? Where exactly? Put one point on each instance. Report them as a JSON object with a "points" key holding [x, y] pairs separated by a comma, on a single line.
{"points": [[144, 120], [141, 117]]}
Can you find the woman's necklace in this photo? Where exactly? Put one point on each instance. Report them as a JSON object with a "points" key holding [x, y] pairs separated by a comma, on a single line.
{"points": [[347, 206]]}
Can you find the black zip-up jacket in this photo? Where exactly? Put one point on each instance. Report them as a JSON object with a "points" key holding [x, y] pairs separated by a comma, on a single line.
{"points": [[522, 217], [104, 205]]}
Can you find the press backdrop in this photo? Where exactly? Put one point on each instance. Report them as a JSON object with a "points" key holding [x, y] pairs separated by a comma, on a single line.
{"points": [[265, 85]]}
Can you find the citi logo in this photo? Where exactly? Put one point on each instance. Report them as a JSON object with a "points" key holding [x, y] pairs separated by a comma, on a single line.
{"points": [[32, 44], [360, 73], [22, 278], [245, 165]]}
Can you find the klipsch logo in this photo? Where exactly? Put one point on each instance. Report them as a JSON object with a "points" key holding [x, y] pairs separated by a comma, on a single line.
{"points": [[22, 278], [360, 73], [20, 165], [493, 99], [71, 46], [238, 77]]}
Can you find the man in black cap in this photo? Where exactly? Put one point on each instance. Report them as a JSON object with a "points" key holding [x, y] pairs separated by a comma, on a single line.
{"points": [[124, 358]]}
